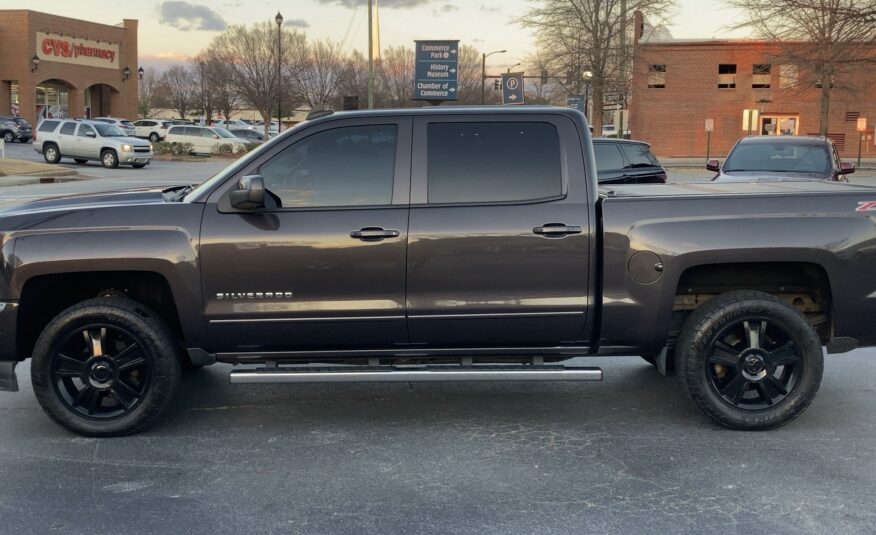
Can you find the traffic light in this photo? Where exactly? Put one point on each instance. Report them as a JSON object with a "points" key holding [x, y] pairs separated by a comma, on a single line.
{"points": [[497, 84]]}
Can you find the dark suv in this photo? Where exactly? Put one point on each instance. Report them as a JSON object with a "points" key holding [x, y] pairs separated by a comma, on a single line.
{"points": [[15, 129], [623, 161], [770, 158]]}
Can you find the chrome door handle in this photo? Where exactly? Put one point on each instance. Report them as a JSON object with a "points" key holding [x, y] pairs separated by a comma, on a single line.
{"points": [[557, 230], [374, 234]]}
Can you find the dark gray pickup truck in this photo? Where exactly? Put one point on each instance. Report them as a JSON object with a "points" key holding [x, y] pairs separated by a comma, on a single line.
{"points": [[434, 244]]}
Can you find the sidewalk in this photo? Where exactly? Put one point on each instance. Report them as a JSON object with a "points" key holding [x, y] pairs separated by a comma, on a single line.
{"points": [[700, 163], [18, 172]]}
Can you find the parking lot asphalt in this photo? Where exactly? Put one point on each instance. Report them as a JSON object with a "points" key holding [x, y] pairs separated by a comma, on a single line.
{"points": [[628, 455]]}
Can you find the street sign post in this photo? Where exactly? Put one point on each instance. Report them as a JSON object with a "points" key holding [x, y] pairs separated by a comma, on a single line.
{"points": [[710, 127], [436, 77], [512, 88], [862, 127]]}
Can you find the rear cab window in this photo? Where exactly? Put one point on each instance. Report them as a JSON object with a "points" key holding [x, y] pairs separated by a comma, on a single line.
{"points": [[48, 126], [493, 162]]}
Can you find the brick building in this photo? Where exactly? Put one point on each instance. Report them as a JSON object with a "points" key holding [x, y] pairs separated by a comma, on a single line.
{"points": [[678, 85], [63, 67]]}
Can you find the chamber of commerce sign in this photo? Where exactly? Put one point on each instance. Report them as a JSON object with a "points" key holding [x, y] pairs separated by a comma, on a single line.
{"points": [[64, 49]]}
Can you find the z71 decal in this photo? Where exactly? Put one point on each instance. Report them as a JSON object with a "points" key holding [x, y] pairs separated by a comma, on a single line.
{"points": [[866, 206]]}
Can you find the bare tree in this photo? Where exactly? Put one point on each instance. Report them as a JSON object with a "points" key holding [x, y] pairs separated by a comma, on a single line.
{"points": [[583, 38], [204, 94], [541, 91], [395, 77], [146, 91], [219, 75], [180, 88], [252, 54], [354, 79], [469, 75], [315, 72], [830, 37]]}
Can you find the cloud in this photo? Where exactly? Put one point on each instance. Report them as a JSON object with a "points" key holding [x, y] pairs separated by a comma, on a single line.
{"points": [[384, 4], [172, 55], [186, 17], [490, 9], [444, 9], [296, 23]]}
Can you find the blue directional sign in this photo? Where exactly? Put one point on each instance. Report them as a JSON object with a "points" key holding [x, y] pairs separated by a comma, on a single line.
{"points": [[436, 76], [512, 88], [577, 102]]}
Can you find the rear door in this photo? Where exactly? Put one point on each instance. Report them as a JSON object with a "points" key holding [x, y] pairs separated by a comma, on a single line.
{"points": [[500, 243], [67, 139]]}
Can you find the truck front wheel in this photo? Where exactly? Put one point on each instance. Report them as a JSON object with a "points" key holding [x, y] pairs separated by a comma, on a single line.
{"points": [[105, 367], [749, 360]]}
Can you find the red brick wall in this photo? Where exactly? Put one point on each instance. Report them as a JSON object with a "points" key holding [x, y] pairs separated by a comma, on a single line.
{"points": [[673, 119], [18, 34]]}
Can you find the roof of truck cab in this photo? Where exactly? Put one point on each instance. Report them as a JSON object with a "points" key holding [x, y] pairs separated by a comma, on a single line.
{"points": [[450, 110]]}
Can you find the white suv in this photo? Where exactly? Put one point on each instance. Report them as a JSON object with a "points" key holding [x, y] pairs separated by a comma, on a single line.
{"points": [[204, 139], [123, 124], [152, 129], [90, 140]]}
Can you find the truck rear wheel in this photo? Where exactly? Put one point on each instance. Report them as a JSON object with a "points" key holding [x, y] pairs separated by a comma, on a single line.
{"points": [[105, 367], [749, 360]]}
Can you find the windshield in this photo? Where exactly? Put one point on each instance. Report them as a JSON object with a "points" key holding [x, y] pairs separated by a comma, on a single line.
{"points": [[108, 130], [21, 121], [126, 123], [223, 133], [779, 158]]}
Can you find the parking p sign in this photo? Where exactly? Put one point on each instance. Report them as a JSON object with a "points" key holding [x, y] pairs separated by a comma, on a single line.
{"points": [[512, 88]]}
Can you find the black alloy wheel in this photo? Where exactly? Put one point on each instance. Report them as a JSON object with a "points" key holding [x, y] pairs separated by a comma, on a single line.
{"points": [[8, 137], [749, 360], [100, 372], [754, 364]]}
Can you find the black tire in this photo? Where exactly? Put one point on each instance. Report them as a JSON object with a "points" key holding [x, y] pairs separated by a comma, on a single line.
{"points": [[138, 165], [80, 161], [109, 159], [51, 153], [121, 391], [765, 379], [154, 137], [8, 137]]}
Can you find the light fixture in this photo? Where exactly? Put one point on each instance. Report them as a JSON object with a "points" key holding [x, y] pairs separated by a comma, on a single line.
{"points": [[126, 73], [278, 19], [140, 72], [35, 62]]}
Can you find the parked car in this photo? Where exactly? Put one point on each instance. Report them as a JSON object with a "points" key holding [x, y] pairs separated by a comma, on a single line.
{"points": [[15, 129], [231, 124], [124, 125], [204, 139], [249, 135], [770, 158], [624, 161], [273, 127], [90, 140], [438, 244], [609, 130], [151, 129]]}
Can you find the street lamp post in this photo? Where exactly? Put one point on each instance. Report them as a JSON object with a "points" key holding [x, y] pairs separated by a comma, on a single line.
{"points": [[513, 67], [484, 73], [279, 20]]}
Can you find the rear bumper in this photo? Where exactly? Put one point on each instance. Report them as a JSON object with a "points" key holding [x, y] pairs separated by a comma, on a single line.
{"points": [[8, 380]]}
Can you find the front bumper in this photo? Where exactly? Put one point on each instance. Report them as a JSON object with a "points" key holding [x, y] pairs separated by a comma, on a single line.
{"points": [[135, 157], [23, 135]]}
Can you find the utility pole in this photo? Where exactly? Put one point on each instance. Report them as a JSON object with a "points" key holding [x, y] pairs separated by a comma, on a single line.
{"points": [[484, 73], [623, 67], [370, 56]]}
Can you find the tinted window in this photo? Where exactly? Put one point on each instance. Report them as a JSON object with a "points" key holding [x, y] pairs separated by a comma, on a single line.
{"points": [[68, 128], [493, 162], [206, 132], [85, 129], [608, 157], [779, 157], [48, 126], [176, 130], [190, 131], [639, 155], [350, 166]]}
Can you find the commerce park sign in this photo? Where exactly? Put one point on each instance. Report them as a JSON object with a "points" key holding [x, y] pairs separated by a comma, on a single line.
{"points": [[75, 51]]}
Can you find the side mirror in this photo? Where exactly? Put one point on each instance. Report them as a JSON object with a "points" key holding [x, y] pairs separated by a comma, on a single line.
{"points": [[250, 193], [847, 168], [215, 136], [90, 134], [713, 165]]}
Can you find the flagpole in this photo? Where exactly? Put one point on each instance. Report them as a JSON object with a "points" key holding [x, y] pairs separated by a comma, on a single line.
{"points": [[370, 57]]}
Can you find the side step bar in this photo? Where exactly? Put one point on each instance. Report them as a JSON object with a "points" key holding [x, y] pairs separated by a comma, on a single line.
{"points": [[393, 374]]}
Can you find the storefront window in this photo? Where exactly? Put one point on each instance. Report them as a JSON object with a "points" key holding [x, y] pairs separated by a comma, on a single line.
{"points": [[52, 101], [15, 108]]}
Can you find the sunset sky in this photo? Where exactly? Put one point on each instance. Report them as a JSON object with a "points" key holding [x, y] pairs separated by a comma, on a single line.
{"points": [[171, 31]]}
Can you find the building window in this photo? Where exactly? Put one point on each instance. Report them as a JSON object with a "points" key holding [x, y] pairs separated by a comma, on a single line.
{"points": [[761, 74], [787, 76], [656, 76], [726, 76]]}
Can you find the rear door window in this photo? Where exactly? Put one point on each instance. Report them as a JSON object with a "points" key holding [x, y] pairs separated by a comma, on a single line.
{"points": [[68, 129], [85, 129], [608, 157], [639, 155], [474, 162]]}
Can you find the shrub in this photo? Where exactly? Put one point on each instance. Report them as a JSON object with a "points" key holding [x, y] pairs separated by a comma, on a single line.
{"points": [[223, 148], [177, 149]]}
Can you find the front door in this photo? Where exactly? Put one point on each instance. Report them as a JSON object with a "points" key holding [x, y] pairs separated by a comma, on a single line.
{"points": [[500, 237], [322, 266], [87, 143]]}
